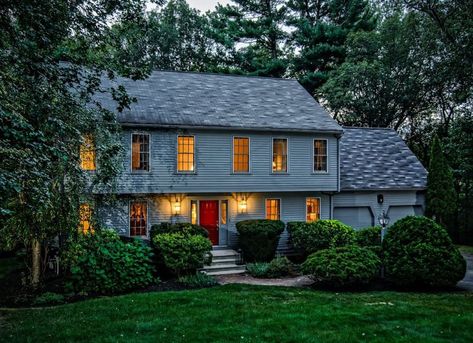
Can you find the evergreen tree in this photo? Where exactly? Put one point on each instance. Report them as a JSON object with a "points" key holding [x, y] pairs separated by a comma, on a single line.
{"points": [[441, 195]]}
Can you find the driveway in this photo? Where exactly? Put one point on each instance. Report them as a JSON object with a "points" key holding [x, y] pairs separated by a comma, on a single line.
{"points": [[467, 282]]}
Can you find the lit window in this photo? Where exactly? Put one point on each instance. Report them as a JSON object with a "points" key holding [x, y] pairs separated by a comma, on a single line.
{"points": [[193, 212], [273, 211], [241, 155], [312, 209], [87, 153], [280, 155], [85, 218], [320, 155], [223, 212], [185, 153], [140, 152], [138, 218]]}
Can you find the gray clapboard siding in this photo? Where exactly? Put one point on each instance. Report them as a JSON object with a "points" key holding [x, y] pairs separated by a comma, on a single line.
{"points": [[214, 164]]}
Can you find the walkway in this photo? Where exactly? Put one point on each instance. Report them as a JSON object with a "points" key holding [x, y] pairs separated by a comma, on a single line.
{"points": [[467, 282]]}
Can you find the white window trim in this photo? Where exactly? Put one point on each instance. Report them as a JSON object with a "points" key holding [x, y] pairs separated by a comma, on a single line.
{"points": [[131, 152], [177, 156], [147, 218], [249, 155], [320, 207], [287, 156], [280, 208], [313, 156]]}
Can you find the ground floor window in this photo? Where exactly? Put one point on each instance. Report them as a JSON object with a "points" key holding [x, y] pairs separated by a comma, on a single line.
{"points": [[223, 212], [273, 209], [85, 218], [193, 211], [312, 209], [138, 218]]}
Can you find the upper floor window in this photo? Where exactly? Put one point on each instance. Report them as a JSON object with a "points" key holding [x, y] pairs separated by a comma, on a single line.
{"points": [[312, 209], [85, 218], [279, 155], [241, 154], [87, 153], [140, 151], [320, 155], [273, 209], [138, 218], [185, 154]]}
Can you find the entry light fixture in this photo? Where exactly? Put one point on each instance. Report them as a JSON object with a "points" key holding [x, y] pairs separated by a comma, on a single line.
{"points": [[242, 204], [383, 220], [177, 207]]}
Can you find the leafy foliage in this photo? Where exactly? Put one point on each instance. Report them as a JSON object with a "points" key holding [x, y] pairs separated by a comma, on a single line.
{"points": [[419, 252], [369, 236], [259, 238], [198, 280], [49, 298], [101, 263], [258, 269], [345, 266], [322, 234], [278, 267], [185, 228], [183, 253]]}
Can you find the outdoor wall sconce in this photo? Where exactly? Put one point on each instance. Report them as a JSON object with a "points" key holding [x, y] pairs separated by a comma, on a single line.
{"points": [[242, 205], [380, 198], [177, 207]]}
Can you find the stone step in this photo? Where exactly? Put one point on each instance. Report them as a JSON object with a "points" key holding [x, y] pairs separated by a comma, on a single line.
{"points": [[224, 260], [223, 267], [224, 253], [226, 272]]}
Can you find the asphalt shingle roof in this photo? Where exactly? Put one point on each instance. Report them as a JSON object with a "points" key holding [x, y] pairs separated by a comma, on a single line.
{"points": [[218, 100], [376, 159]]}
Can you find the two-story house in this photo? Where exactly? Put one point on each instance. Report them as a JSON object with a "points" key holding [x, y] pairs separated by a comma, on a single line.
{"points": [[217, 149]]}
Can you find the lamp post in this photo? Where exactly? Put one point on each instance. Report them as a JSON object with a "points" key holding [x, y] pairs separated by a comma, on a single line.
{"points": [[383, 220]]}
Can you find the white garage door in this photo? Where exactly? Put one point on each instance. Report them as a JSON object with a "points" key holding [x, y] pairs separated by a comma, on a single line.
{"points": [[357, 217], [397, 212]]}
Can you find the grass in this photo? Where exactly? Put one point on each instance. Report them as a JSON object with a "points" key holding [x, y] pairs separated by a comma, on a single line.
{"points": [[243, 313], [466, 249]]}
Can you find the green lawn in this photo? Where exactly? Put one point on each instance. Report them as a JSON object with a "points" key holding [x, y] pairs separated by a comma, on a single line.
{"points": [[241, 313]]}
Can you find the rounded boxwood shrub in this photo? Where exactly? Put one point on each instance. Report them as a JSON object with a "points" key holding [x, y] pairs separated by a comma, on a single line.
{"points": [[185, 228], [344, 266], [183, 253], [259, 238], [102, 263], [369, 236], [322, 234], [419, 252]]}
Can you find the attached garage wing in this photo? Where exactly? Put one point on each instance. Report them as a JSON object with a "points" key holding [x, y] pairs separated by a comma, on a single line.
{"points": [[398, 212], [357, 217]]}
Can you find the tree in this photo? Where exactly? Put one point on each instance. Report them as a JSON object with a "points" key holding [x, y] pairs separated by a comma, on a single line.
{"points": [[320, 30], [51, 64], [257, 26], [440, 197]]}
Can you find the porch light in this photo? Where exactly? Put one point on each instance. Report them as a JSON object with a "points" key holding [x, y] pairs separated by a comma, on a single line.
{"points": [[383, 220], [242, 205], [177, 207]]}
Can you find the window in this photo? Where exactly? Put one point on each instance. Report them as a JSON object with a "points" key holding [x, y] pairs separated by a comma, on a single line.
{"points": [[87, 153], [273, 210], [223, 212], [140, 152], [85, 218], [241, 155], [193, 212], [185, 153], [312, 209], [320, 155], [138, 218], [279, 155]]}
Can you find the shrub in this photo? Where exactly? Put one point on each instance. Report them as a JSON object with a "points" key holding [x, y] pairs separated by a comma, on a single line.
{"points": [[102, 263], [258, 269], [49, 298], [199, 280], [280, 266], [344, 266], [185, 228], [369, 236], [419, 252], [259, 238], [183, 253], [322, 234]]}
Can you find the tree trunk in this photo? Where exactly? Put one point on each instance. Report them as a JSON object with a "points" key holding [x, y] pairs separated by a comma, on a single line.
{"points": [[35, 263]]}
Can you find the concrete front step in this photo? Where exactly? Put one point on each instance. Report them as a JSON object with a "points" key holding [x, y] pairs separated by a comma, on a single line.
{"points": [[226, 272], [224, 253], [224, 262]]}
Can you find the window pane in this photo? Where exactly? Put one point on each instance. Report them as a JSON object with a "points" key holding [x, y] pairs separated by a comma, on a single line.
{"points": [[140, 152], [85, 218], [87, 153], [193, 212], [138, 218], [320, 155], [241, 155], [273, 209], [185, 153], [312, 209], [279, 155], [223, 212]]}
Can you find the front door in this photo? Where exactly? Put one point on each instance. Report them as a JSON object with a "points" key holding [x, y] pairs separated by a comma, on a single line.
{"points": [[208, 210]]}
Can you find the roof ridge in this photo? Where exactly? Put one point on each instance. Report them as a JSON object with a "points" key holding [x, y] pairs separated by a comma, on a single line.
{"points": [[368, 128], [222, 74]]}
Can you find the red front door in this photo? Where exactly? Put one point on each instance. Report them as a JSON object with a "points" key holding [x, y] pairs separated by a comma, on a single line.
{"points": [[209, 218]]}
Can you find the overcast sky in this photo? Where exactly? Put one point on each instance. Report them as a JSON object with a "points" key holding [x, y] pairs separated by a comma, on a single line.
{"points": [[205, 5]]}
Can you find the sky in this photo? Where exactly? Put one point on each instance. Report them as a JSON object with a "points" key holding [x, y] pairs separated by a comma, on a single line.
{"points": [[205, 5]]}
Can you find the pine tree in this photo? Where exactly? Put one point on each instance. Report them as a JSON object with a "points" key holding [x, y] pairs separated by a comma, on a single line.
{"points": [[441, 196]]}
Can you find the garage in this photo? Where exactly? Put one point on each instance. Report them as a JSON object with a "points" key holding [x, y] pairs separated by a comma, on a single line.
{"points": [[397, 212], [357, 217]]}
